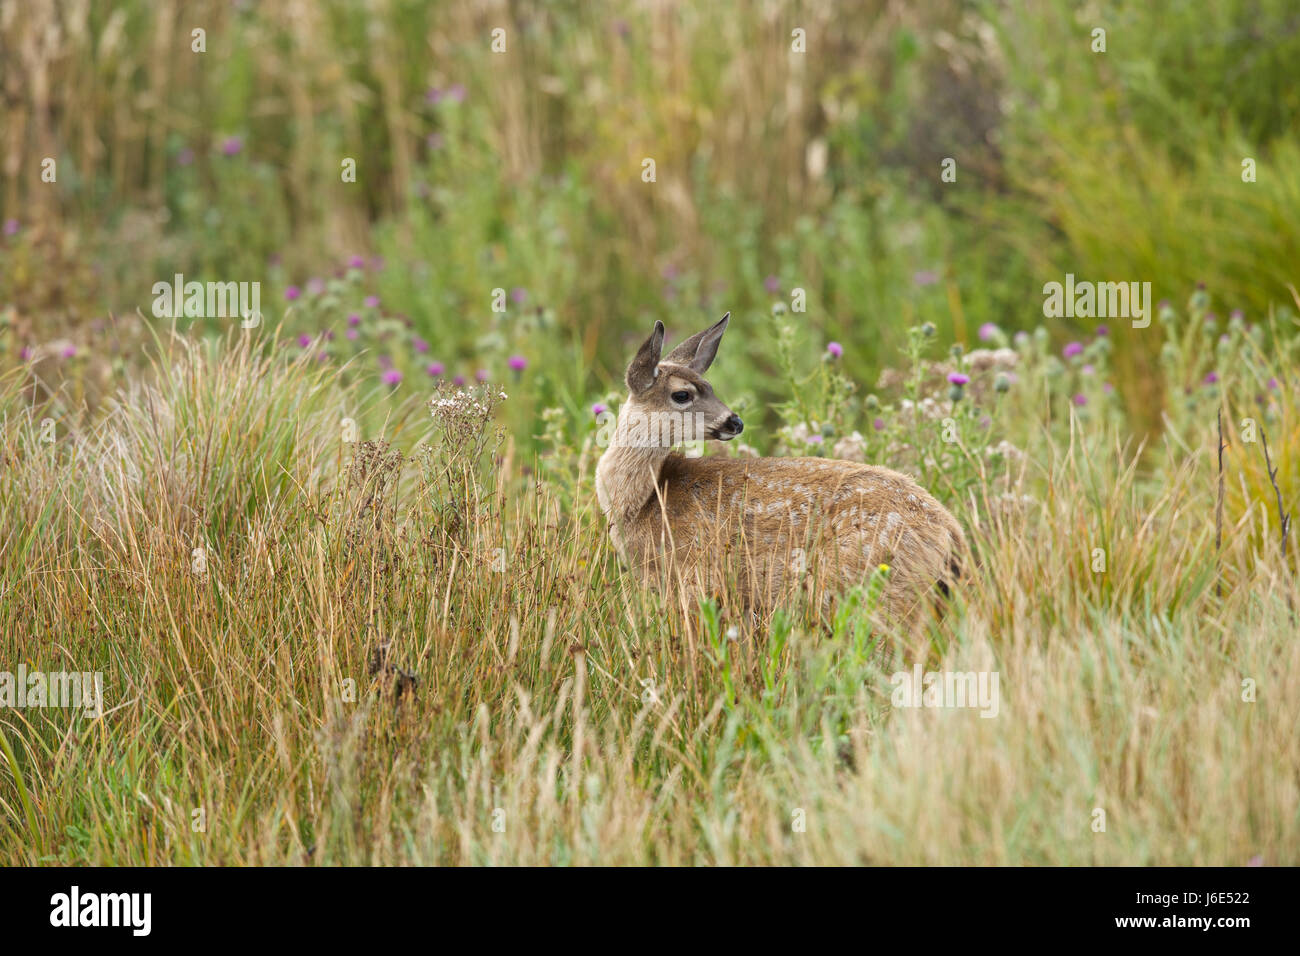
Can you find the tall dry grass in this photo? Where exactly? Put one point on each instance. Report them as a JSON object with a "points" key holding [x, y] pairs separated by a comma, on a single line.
{"points": [[400, 656]]}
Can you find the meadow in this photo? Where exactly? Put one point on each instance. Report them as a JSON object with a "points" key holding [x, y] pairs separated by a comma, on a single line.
{"points": [[342, 568]]}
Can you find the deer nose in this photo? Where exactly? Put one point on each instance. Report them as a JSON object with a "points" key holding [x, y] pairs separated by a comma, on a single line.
{"points": [[735, 425]]}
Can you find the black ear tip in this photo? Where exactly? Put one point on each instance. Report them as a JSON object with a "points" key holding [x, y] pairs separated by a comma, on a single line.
{"points": [[659, 327]]}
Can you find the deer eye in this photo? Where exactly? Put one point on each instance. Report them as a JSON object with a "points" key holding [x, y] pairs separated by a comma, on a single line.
{"points": [[681, 398]]}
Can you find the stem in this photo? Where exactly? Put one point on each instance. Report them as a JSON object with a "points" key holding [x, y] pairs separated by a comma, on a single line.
{"points": [[1218, 519], [1284, 517]]}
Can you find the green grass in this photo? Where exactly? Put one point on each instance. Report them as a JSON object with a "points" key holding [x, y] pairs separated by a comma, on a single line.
{"points": [[184, 509], [595, 722]]}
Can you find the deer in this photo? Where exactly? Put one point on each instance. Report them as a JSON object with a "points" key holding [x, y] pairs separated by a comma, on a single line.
{"points": [[768, 525]]}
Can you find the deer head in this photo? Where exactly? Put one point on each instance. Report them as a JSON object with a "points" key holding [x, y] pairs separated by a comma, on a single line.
{"points": [[669, 400]]}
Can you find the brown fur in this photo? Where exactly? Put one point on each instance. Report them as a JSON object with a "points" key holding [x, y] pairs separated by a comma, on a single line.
{"points": [[771, 524]]}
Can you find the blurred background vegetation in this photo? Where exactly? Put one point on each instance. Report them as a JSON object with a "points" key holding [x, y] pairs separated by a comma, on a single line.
{"points": [[522, 171]]}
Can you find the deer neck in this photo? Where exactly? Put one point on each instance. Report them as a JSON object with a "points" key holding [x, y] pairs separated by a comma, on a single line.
{"points": [[628, 472]]}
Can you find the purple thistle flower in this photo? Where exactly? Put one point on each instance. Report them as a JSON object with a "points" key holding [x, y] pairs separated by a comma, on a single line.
{"points": [[1080, 400], [357, 262], [1072, 349], [354, 319], [372, 302], [878, 424], [232, 146], [292, 292], [518, 295], [957, 378], [1103, 331], [458, 380], [434, 95], [352, 335], [1211, 378], [392, 376], [315, 286], [304, 340], [1272, 383], [925, 277], [68, 351], [987, 331], [435, 369], [456, 93], [598, 409], [25, 353], [772, 284], [517, 363], [815, 439], [481, 375], [835, 349], [1107, 387], [1087, 368], [419, 345]]}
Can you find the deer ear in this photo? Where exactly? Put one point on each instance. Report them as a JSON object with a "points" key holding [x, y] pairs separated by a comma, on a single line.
{"points": [[698, 352], [641, 373]]}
